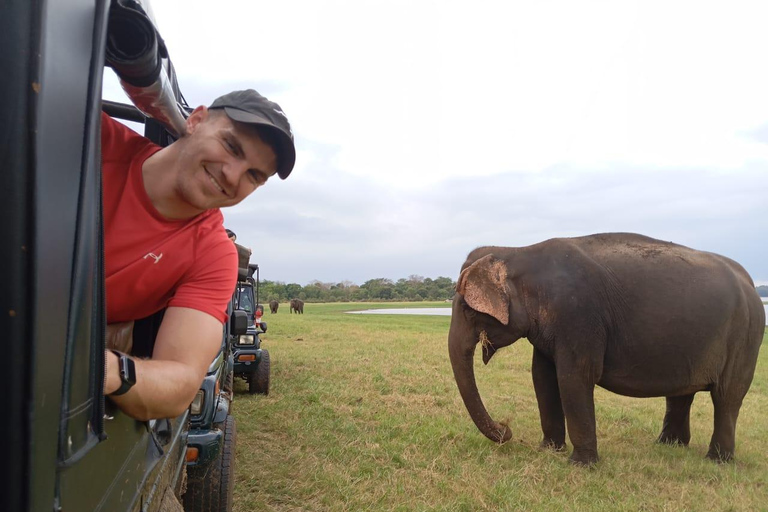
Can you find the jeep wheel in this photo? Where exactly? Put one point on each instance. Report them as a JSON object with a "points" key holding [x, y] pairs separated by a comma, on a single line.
{"points": [[209, 488], [258, 382]]}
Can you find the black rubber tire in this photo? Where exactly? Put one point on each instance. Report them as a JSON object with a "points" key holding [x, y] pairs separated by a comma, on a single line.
{"points": [[209, 489], [258, 382]]}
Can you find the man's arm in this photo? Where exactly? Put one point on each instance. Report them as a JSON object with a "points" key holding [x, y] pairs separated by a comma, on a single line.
{"points": [[186, 344]]}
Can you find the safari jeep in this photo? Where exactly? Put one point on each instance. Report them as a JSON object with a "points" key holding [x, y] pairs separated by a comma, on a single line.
{"points": [[66, 446], [251, 362]]}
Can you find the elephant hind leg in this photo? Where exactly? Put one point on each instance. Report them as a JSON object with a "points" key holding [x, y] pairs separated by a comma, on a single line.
{"points": [[677, 424], [723, 443]]}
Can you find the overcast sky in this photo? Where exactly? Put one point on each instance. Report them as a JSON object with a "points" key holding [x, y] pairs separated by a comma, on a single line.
{"points": [[427, 128]]}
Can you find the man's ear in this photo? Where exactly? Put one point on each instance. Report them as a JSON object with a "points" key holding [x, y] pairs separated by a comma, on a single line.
{"points": [[484, 287], [197, 116]]}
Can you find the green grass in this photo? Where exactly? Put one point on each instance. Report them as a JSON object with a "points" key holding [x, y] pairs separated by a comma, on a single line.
{"points": [[364, 415]]}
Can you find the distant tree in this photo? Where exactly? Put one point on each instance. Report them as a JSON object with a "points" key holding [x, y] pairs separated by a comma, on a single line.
{"points": [[292, 290], [360, 294], [311, 292], [445, 288], [405, 289], [272, 290], [378, 289], [762, 290], [413, 288]]}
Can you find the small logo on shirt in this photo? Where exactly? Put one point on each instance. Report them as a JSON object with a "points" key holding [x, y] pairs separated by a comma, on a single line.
{"points": [[153, 256]]}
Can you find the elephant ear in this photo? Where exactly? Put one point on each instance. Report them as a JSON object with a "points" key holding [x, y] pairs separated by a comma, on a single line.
{"points": [[484, 287]]}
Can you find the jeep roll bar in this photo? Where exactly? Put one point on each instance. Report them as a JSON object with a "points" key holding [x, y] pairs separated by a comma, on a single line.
{"points": [[139, 57]]}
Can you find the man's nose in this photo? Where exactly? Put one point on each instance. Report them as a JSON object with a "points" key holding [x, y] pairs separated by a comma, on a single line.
{"points": [[234, 171]]}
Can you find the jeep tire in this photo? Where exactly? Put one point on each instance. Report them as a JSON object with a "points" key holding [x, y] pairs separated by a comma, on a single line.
{"points": [[258, 382], [209, 488]]}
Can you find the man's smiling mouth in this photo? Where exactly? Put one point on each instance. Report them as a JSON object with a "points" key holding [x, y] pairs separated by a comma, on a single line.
{"points": [[215, 183]]}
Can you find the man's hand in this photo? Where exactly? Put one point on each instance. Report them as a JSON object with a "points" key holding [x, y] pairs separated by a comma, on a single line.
{"points": [[186, 344]]}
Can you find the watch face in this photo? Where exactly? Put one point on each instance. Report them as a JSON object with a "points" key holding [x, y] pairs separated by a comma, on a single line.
{"points": [[127, 370]]}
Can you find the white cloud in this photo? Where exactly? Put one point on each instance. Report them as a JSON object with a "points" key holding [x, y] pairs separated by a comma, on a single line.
{"points": [[426, 128]]}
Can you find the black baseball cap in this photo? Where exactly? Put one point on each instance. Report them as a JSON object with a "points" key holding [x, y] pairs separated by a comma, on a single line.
{"points": [[249, 106]]}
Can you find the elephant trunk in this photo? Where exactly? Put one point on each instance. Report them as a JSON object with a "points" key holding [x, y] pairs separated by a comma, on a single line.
{"points": [[462, 350]]}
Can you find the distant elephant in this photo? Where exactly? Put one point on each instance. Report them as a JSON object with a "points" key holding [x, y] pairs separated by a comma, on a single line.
{"points": [[273, 305], [637, 316], [297, 305]]}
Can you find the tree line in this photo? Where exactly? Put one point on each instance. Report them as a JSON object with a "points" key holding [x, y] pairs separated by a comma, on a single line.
{"points": [[414, 288]]}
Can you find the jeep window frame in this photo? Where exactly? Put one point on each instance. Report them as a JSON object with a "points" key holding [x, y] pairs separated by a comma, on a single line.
{"points": [[51, 265]]}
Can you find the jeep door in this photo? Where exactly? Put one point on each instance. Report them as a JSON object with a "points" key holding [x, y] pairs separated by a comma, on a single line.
{"points": [[66, 447]]}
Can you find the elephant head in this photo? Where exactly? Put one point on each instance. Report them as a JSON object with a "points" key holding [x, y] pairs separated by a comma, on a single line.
{"points": [[486, 310]]}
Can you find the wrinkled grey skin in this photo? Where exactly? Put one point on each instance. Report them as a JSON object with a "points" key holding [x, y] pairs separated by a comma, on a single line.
{"points": [[297, 305], [634, 315], [273, 305]]}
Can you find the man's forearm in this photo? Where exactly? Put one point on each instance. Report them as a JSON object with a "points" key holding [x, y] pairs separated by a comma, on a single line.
{"points": [[163, 389]]}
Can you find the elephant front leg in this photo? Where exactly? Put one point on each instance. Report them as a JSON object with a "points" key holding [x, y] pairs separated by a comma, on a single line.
{"points": [[548, 397], [577, 390], [677, 425]]}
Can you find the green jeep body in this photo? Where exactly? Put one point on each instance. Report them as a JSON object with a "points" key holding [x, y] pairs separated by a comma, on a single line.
{"points": [[67, 448]]}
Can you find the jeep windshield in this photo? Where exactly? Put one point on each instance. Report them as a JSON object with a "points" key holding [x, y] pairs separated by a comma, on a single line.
{"points": [[244, 299]]}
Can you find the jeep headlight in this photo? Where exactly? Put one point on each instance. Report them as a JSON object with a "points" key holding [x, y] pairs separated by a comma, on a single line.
{"points": [[245, 339], [196, 407]]}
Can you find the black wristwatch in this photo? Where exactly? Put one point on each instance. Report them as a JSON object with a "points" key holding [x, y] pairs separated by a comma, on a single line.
{"points": [[127, 370]]}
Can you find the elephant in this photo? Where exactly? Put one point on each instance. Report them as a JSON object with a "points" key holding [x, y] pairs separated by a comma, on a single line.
{"points": [[636, 316], [273, 305], [297, 305]]}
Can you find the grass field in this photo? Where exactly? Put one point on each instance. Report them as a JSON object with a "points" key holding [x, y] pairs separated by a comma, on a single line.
{"points": [[364, 415]]}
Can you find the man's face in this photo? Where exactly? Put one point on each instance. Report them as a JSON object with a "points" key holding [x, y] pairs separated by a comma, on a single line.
{"points": [[221, 161]]}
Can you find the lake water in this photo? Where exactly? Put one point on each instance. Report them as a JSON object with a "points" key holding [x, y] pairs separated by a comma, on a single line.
{"points": [[405, 311], [441, 312]]}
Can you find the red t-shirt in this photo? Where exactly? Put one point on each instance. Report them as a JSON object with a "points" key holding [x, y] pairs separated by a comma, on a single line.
{"points": [[153, 262]]}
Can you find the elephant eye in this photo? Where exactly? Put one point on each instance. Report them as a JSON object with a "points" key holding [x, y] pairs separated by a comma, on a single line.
{"points": [[468, 311]]}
